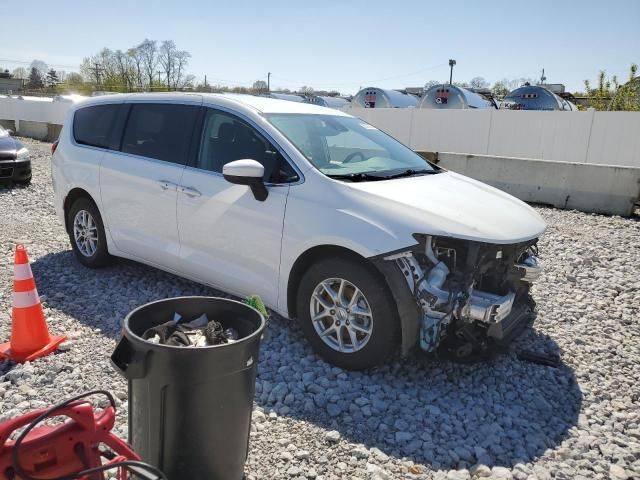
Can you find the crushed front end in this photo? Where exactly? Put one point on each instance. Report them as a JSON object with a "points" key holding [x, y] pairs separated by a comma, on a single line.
{"points": [[470, 295]]}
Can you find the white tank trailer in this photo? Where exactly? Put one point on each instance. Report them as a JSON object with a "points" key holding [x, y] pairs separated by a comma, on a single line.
{"points": [[451, 97], [535, 97], [284, 96], [372, 97], [331, 102]]}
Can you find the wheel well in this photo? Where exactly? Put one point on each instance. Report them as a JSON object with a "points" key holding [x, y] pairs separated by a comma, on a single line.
{"points": [[72, 196], [310, 257]]}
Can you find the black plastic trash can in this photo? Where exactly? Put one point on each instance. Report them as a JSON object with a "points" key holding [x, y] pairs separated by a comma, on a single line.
{"points": [[190, 407]]}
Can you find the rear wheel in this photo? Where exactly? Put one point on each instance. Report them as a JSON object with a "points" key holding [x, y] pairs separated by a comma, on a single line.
{"points": [[347, 313], [86, 233]]}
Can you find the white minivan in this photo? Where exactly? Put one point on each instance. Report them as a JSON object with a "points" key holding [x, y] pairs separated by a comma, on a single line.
{"points": [[331, 221]]}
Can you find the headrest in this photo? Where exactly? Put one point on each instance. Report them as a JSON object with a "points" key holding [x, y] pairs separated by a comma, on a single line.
{"points": [[226, 132]]}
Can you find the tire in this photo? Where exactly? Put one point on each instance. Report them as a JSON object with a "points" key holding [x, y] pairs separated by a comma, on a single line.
{"points": [[23, 182], [90, 257], [373, 348]]}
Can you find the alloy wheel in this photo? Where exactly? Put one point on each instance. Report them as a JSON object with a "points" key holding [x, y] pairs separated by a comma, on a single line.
{"points": [[341, 315], [85, 233]]}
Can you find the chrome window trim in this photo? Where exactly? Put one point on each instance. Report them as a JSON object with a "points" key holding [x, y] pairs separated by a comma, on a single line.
{"points": [[181, 166]]}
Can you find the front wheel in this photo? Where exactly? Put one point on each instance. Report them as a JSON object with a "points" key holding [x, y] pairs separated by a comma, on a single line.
{"points": [[347, 313]]}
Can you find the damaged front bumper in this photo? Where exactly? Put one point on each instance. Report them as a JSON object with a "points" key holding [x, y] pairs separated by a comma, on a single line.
{"points": [[466, 295]]}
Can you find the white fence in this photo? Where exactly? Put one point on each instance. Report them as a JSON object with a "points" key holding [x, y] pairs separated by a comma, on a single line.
{"points": [[546, 157], [604, 138], [33, 109]]}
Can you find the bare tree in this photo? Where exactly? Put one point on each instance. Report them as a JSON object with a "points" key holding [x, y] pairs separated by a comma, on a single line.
{"points": [[259, 86], [167, 59], [20, 73], [123, 68], [181, 61], [74, 79], [430, 83], [149, 53], [306, 90], [479, 82], [101, 68], [135, 57], [41, 66]]}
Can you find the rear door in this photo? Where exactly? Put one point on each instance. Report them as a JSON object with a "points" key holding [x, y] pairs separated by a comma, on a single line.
{"points": [[139, 182]]}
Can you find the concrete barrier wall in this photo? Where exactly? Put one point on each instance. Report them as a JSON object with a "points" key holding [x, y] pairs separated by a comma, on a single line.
{"points": [[605, 138], [588, 188], [39, 118]]}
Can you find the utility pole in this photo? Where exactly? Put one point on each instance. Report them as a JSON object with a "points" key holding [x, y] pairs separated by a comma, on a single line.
{"points": [[268, 82], [542, 78], [158, 72], [205, 81], [452, 62], [97, 70]]}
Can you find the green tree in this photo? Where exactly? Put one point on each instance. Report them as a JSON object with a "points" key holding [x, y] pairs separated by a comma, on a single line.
{"points": [[36, 80], [499, 89], [627, 96], [601, 94], [52, 78]]}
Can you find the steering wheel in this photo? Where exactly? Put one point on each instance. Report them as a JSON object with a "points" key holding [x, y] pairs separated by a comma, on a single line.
{"points": [[353, 155]]}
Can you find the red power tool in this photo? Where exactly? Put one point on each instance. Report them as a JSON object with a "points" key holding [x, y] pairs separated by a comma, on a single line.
{"points": [[73, 449]]}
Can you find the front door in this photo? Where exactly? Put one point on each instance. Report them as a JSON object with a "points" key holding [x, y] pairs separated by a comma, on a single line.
{"points": [[228, 238], [139, 183]]}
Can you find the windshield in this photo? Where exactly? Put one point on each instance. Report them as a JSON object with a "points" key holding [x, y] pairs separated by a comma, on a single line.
{"points": [[346, 146]]}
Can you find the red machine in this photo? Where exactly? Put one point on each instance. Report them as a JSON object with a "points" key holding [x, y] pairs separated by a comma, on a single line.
{"points": [[73, 449]]}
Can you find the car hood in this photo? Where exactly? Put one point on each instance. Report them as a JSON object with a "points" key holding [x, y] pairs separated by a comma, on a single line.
{"points": [[452, 205], [8, 148]]}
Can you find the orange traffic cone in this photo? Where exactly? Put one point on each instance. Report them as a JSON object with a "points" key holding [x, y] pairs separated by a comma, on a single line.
{"points": [[30, 338]]}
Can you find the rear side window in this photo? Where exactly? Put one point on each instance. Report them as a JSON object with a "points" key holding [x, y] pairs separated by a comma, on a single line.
{"points": [[160, 131], [94, 125]]}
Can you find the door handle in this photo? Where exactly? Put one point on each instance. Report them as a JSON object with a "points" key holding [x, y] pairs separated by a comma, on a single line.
{"points": [[190, 191], [166, 184]]}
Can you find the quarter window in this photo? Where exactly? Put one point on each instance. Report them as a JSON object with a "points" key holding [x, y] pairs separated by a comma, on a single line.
{"points": [[226, 138], [94, 125], [160, 131]]}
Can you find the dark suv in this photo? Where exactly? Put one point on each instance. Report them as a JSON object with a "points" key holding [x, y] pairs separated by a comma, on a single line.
{"points": [[15, 164]]}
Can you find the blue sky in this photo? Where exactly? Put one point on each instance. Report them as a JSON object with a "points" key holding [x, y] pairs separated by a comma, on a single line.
{"points": [[340, 45]]}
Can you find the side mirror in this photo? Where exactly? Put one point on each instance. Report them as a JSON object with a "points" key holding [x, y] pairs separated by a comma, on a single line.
{"points": [[10, 132], [247, 172]]}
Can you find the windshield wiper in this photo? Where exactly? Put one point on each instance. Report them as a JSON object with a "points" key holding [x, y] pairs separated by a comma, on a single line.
{"points": [[368, 176], [410, 172], [356, 177]]}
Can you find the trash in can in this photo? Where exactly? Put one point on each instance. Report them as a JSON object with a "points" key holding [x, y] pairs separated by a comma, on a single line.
{"points": [[200, 332], [190, 408]]}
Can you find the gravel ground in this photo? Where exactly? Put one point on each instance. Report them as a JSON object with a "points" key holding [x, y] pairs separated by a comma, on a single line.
{"points": [[415, 418]]}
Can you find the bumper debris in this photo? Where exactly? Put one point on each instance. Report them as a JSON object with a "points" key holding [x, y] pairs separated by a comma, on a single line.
{"points": [[470, 293]]}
